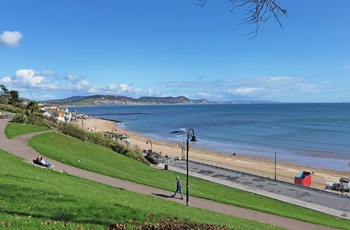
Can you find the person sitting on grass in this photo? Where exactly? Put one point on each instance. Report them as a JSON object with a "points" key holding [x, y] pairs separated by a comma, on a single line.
{"points": [[37, 160], [45, 163]]}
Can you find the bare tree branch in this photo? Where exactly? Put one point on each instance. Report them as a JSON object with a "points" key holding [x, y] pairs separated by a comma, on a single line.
{"points": [[258, 11], [201, 3]]}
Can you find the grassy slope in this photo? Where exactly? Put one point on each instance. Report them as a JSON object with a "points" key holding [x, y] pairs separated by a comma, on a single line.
{"points": [[128, 169], [37, 198], [15, 129], [83, 102], [99, 159]]}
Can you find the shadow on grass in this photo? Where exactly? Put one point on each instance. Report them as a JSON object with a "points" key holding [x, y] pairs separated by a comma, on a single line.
{"points": [[161, 195]]}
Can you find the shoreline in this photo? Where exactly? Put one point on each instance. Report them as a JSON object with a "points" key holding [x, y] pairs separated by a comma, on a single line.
{"points": [[285, 171]]}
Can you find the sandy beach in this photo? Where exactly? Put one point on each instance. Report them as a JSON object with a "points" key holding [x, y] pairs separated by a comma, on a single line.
{"points": [[262, 167]]}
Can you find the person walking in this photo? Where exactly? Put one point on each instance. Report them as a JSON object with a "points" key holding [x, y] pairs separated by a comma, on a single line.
{"points": [[178, 188]]}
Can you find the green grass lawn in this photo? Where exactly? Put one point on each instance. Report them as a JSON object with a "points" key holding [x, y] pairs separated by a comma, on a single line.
{"points": [[38, 198], [102, 160], [15, 129]]}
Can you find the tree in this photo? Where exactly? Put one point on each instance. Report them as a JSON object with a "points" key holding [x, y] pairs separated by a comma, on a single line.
{"points": [[4, 89], [258, 11], [9, 97], [33, 106], [14, 98], [4, 96]]}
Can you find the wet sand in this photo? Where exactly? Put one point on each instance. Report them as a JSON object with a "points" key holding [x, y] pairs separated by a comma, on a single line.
{"points": [[253, 165]]}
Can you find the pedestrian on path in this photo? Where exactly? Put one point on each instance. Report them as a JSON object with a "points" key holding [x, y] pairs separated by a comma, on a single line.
{"points": [[178, 188]]}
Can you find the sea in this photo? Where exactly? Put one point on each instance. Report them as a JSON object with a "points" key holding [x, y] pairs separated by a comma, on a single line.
{"points": [[309, 134]]}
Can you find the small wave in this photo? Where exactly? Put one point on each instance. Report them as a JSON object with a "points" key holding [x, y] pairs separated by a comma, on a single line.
{"points": [[119, 114], [180, 131]]}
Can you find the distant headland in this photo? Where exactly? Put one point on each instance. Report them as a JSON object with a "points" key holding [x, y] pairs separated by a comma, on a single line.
{"points": [[122, 100], [100, 100]]}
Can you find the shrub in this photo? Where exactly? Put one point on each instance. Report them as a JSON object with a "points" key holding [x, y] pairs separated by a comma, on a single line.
{"points": [[120, 149], [98, 139], [73, 131], [51, 121], [167, 223], [37, 120], [20, 118], [18, 110], [9, 108]]}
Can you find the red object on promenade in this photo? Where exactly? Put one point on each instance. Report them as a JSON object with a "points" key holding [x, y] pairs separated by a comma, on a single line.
{"points": [[303, 179]]}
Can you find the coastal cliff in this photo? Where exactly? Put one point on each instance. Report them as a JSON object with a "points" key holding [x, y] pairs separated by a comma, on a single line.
{"points": [[121, 100]]}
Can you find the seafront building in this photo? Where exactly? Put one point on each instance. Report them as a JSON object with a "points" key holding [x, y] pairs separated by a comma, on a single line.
{"points": [[58, 113]]}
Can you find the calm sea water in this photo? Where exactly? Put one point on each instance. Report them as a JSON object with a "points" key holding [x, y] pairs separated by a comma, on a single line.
{"points": [[308, 134]]}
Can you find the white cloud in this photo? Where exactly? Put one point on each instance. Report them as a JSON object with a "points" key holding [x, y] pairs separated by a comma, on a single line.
{"points": [[80, 85], [203, 95], [93, 90], [280, 78], [124, 87], [112, 86], [26, 77], [149, 92], [73, 77], [247, 91], [5, 80], [279, 88], [38, 83], [253, 88], [45, 73], [346, 67], [172, 84], [10, 38], [47, 96], [306, 87]]}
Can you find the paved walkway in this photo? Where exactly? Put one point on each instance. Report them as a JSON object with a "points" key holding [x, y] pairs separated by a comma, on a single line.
{"points": [[331, 203], [18, 146]]}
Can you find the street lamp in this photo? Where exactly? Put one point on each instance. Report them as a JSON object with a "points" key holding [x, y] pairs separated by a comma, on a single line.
{"points": [[182, 146], [149, 141], [190, 134], [275, 166]]}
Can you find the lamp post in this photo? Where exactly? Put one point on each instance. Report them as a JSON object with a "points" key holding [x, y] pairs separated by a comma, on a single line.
{"points": [[190, 134], [182, 146], [275, 166], [150, 142]]}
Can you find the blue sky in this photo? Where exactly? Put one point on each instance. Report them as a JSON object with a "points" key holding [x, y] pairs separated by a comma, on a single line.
{"points": [[57, 49]]}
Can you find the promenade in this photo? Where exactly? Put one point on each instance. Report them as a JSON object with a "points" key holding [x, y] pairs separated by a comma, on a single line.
{"points": [[18, 146], [331, 203]]}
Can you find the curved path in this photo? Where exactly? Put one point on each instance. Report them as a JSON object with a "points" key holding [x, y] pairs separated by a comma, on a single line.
{"points": [[18, 146]]}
